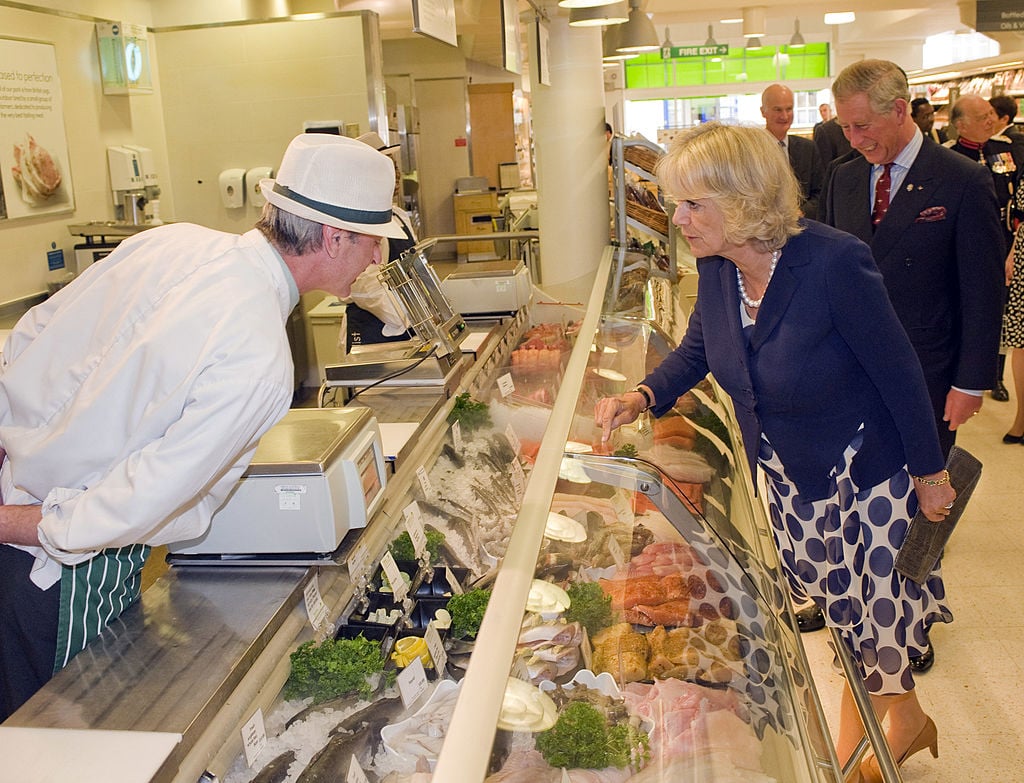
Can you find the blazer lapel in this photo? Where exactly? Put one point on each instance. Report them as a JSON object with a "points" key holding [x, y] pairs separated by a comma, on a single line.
{"points": [[780, 292], [906, 203]]}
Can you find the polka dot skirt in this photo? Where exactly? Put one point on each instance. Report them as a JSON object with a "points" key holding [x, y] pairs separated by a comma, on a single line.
{"points": [[839, 552]]}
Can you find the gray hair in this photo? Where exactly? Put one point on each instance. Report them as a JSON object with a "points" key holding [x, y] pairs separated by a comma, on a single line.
{"points": [[290, 233], [743, 171], [883, 81]]}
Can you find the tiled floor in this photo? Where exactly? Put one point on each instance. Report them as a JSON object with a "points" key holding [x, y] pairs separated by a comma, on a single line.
{"points": [[974, 690]]}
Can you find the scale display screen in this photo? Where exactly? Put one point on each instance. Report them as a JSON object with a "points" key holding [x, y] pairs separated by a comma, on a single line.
{"points": [[369, 475]]}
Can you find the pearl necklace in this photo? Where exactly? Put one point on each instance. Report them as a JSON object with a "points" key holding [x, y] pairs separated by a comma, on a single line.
{"points": [[753, 304]]}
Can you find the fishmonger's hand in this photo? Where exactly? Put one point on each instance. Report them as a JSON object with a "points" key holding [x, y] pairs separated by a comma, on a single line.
{"points": [[612, 412]]}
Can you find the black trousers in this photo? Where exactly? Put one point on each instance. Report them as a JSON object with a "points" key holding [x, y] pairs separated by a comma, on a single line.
{"points": [[28, 630]]}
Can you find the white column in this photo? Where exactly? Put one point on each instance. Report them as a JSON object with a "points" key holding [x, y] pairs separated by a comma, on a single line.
{"points": [[571, 158]]}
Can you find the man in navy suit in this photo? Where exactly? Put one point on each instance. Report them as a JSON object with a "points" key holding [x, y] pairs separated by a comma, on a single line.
{"points": [[931, 219], [777, 110], [936, 238]]}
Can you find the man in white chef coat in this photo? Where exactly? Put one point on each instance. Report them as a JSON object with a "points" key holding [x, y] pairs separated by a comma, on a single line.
{"points": [[133, 399]]}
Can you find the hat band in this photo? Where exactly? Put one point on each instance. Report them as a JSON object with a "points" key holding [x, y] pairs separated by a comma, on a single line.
{"points": [[341, 213]]}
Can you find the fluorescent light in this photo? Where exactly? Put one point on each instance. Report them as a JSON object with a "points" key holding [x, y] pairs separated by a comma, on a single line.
{"points": [[583, 3], [737, 20], [840, 17]]}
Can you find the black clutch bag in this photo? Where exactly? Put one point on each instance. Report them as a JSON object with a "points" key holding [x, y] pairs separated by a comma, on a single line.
{"points": [[925, 539]]}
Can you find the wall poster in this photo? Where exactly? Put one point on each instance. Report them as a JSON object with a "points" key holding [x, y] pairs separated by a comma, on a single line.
{"points": [[35, 174]]}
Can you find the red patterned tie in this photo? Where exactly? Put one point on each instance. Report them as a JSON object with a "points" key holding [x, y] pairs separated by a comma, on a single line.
{"points": [[881, 196]]}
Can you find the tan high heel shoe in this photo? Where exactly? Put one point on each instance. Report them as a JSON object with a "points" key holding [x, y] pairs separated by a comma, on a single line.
{"points": [[928, 737]]}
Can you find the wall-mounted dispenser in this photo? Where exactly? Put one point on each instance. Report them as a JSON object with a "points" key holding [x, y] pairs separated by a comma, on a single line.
{"points": [[232, 188], [252, 184]]}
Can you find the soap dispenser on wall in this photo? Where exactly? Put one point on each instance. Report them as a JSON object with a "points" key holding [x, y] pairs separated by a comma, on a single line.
{"points": [[252, 184], [232, 189]]}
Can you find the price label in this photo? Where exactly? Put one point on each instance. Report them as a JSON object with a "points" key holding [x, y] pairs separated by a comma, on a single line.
{"points": [[398, 586], [505, 385], [424, 479], [358, 562], [513, 439], [453, 582], [316, 609], [436, 648], [622, 504], [412, 682], [643, 426], [355, 773], [457, 436], [518, 480], [414, 524], [254, 737], [615, 550]]}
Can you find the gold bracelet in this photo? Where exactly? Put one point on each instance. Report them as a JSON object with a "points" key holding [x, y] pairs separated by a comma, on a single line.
{"points": [[932, 482]]}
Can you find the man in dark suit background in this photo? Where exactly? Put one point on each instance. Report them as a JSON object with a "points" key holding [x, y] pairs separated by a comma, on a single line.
{"points": [[923, 115], [1005, 108], [931, 219], [777, 110]]}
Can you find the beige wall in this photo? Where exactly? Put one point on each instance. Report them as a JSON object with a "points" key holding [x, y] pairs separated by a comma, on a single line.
{"points": [[234, 97], [93, 122], [223, 97]]}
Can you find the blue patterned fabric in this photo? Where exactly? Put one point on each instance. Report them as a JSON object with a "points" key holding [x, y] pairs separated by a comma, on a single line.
{"points": [[839, 551]]}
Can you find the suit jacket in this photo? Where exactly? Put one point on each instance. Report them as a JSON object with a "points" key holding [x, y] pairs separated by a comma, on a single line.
{"points": [[940, 250], [830, 141], [810, 173], [826, 355]]}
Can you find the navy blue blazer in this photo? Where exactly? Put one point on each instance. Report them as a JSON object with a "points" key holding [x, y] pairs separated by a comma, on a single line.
{"points": [[940, 251], [826, 354]]}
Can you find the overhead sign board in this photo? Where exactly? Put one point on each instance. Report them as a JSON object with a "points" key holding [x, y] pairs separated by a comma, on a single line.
{"points": [[999, 16], [672, 52]]}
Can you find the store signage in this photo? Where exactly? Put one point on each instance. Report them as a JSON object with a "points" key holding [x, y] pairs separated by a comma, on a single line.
{"points": [[672, 52], [999, 16]]}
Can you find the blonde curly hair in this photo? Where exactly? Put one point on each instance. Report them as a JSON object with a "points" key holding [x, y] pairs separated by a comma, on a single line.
{"points": [[744, 172]]}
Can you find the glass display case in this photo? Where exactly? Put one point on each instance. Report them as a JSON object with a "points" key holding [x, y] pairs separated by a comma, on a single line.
{"points": [[592, 610]]}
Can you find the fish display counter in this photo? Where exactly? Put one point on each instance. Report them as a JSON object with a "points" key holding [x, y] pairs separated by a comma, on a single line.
{"points": [[527, 603]]}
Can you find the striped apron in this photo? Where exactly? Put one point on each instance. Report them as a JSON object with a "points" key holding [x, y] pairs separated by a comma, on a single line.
{"points": [[93, 594]]}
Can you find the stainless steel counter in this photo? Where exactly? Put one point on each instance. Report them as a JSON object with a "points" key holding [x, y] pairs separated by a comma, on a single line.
{"points": [[208, 645]]}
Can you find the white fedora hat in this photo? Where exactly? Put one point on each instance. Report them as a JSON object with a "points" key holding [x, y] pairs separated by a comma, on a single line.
{"points": [[336, 181]]}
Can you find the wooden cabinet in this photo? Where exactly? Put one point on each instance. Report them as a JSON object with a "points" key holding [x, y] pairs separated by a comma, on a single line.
{"points": [[474, 214]]}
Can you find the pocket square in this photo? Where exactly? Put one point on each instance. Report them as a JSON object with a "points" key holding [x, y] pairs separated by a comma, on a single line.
{"points": [[931, 215]]}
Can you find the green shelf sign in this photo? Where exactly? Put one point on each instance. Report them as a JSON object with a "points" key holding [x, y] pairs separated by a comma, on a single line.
{"points": [[672, 52]]}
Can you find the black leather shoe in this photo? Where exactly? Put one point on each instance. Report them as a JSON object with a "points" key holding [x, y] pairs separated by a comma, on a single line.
{"points": [[922, 663], [810, 618], [999, 393], [1008, 438]]}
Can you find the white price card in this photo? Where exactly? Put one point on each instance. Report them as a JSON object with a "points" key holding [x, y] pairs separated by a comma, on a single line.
{"points": [[254, 737], [513, 439], [436, 648], [316, 609], [615, 550], [518, 480], [399, 588], [505, 384], [453, 583], [355, 773], [643, 426], [358, 562], [414, 524], [622, 505], [457, 436], [424, 479], [412, 682]]}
